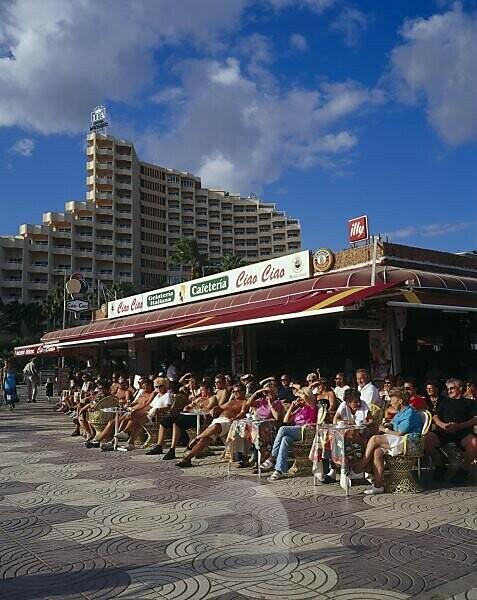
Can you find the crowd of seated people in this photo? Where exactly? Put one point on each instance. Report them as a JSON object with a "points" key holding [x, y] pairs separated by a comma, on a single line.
{"points": [[174, 403]]}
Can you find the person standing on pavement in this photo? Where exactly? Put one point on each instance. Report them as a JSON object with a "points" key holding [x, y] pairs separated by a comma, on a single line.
{"points": [[32, 379], [2, 375], [9, 384]]}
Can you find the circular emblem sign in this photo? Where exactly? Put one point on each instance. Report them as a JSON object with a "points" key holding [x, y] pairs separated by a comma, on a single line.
{"points": [[297, 264], [323, 260]]}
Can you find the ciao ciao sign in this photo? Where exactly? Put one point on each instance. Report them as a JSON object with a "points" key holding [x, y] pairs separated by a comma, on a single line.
{"points": [[269, 274], [283, 269]]}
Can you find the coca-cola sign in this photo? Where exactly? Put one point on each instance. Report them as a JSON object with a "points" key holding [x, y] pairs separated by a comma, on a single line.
{"points": [[358, 229]]}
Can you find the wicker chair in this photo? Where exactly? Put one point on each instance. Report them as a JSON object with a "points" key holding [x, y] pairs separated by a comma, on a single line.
{"points": [[98, 419], [400, 478], [377, 413], [301, 450]]}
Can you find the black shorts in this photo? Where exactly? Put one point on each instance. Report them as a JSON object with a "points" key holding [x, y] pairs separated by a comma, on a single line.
{"points": [[453, 438], [183, 421]]}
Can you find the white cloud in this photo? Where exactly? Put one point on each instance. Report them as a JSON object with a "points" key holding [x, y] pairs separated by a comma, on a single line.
{"points": [[437, 64], [352, 23], [167, 95], [298, 42], [427, 231], [59, 59], [228, 74], [24, 147], [257, 48], [240, 134], [318, 6]]}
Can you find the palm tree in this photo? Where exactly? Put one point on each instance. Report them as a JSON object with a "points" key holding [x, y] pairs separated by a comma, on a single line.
{"points": [[120, 289], [52, 306], [231, 261], [187, 254]]}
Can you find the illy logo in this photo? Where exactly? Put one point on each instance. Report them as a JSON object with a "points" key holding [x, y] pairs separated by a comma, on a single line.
{"points": [[358, 229]]}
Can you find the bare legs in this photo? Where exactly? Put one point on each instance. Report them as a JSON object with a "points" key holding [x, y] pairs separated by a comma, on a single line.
{"points": [[374, 458], [201, 443]]}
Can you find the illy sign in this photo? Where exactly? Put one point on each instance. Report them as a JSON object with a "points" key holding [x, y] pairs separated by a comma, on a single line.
{"points": [[358, 229]]}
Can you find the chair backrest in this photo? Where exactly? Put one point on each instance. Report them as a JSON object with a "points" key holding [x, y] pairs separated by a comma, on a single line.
{"points": [[320, 419], [107, 402], [179, 402], [377, 412], [426, 421]]}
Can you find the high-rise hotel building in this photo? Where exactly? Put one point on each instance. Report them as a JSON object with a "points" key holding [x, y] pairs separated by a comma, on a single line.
{"points": [[127, 229]]}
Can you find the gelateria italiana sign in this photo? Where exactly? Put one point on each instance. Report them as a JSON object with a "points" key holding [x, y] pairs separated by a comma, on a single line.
{"points": [[275, 271]]}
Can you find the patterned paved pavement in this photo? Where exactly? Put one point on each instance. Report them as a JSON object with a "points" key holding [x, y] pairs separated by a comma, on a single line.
{"points": [[78, 523]]}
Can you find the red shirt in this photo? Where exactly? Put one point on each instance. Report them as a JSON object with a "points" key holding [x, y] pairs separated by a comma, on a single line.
{"points": [[418, 402]]}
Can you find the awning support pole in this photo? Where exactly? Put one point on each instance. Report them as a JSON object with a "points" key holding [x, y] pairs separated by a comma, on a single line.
{"points": [[375, 254]]}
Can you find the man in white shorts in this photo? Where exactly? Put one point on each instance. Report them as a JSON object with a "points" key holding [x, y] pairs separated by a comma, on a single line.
{"points": [[235, 408]]}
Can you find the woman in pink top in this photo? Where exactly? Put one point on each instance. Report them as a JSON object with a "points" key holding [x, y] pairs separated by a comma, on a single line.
{"points": [[302, 412], [266, 404]]}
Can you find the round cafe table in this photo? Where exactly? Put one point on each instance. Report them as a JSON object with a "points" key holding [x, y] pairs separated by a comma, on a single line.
{"points": [[250, 431], [341, 443], [198, 413], [116, 411]]}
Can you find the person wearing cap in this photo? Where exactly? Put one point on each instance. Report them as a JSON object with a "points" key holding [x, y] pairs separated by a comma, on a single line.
{"points": [[250, 384], [301, 413], [265, 405], [223, 415], [180, 422]]}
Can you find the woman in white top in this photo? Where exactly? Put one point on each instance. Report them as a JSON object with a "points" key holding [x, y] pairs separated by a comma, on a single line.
{"points": [[353, 409]]}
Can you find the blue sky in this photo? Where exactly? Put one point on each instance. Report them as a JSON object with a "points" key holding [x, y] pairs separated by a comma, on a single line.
{"points": [[330, 108]]}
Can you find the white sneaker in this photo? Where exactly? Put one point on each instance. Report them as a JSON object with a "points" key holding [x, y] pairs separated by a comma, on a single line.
{"points": [[267, 465], [373, 491], [276, 475]]}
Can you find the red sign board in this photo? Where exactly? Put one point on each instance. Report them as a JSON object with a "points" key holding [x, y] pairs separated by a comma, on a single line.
{"points": [[358, 229]]}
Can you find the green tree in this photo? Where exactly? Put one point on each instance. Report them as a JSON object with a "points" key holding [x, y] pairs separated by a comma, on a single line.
{"points": [[20, 324], [187, 255], [52, 307], [120, 289]]}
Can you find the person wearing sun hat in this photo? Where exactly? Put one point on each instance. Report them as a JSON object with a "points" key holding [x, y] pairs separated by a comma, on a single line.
{"points": [[301, 413], [251, 386]]}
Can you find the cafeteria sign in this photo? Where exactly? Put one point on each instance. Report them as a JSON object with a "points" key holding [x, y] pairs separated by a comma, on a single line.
{"points": [[275, 271]]}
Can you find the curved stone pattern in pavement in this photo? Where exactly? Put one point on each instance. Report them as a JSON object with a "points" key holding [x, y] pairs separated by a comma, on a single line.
{"points": [[82, 524]]}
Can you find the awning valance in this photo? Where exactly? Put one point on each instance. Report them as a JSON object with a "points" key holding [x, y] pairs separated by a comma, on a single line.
{"points": [[35, 350], [309, 297]]}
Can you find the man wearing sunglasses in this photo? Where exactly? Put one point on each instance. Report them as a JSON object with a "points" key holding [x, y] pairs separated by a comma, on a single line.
{"points": [[454, 418]]}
